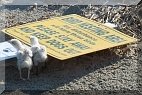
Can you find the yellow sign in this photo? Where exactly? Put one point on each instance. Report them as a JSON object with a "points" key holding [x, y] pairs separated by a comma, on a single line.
{"points": [[70, 36]]}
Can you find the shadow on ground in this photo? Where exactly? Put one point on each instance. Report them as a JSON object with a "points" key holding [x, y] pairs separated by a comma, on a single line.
{"points": [[58, 73]]}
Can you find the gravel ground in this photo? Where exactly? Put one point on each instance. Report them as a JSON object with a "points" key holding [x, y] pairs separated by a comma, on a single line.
{"points": [[107, 72], [104, 74]]}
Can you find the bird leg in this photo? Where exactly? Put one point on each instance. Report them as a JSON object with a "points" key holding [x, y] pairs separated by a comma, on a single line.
{"points": [[28, 74], [45, 66], [21, 75], [37, 71]]}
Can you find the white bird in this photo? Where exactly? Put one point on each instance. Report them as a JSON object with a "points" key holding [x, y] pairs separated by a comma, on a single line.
{"points": [[17, 44], [39, 53], [24, 57]]}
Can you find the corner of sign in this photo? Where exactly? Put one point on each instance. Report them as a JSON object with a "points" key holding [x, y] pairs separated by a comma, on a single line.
{"points": [[3, 30]]}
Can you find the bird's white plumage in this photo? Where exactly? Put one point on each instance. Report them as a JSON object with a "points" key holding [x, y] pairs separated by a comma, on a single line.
{"points": [[24, 56], [34, 40], [24, 59], [39, 52], [40, 55], [17, 44]]}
